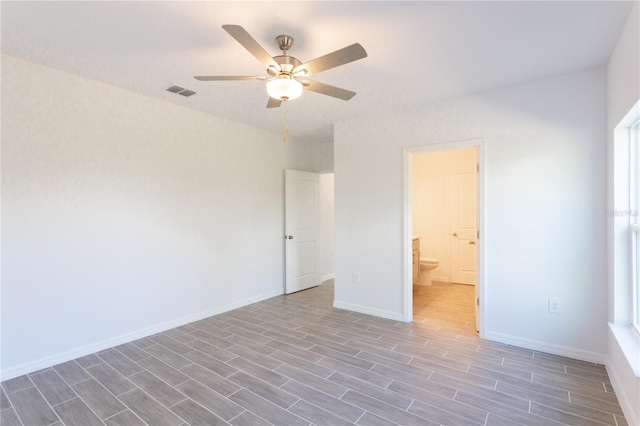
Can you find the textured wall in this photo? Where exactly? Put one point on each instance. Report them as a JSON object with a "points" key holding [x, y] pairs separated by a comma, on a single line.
{"points": [[123, 215], [544, 196]]}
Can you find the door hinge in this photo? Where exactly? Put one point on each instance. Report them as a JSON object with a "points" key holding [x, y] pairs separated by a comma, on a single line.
{"points": [[477, 235], [477, 167], [477, 301]]}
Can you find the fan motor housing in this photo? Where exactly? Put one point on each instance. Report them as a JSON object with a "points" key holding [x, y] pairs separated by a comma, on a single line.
{"points": [[286, 62]]}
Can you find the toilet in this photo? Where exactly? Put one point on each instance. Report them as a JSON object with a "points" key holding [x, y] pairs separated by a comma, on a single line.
{"points": [[427, 264]]}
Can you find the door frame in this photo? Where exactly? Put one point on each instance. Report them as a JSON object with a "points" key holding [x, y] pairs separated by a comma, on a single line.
{"points": [[479, 143]]}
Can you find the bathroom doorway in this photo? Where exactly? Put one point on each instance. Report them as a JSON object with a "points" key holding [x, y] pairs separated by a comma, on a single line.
{"points": [[442, 212]]}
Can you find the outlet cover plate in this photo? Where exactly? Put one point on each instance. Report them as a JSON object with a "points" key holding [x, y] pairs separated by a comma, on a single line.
{"points": [[555, 305]]}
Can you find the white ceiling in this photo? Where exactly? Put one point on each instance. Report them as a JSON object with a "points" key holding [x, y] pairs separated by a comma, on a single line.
{"points": [[417, 51]]}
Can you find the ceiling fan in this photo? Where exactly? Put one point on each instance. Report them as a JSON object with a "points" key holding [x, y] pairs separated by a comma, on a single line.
{"points": [[287, 75]]}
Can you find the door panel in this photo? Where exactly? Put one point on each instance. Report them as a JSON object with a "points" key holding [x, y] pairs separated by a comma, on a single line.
{"points": [[462, 217], [301, 228]]}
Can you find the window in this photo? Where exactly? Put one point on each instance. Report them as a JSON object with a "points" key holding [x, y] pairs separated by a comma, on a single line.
{"points": [[624, 223], [634, 219]]}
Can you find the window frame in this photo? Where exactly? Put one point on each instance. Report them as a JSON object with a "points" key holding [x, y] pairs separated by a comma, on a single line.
{"points": [[634, 221]]}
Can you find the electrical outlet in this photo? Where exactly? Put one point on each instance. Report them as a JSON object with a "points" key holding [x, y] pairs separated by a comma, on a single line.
{"points": [[555, 305], [355, 277]]}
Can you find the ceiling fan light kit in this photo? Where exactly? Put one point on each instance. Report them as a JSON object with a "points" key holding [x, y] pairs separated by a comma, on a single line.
{"points": [[284, 87], [284, 70]]}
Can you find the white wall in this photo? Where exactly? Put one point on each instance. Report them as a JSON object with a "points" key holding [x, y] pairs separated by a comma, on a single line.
{"points": [[322, 162], [322, 153], [430, 173], [544, 196], [623, 92], [123, 215], [326, 239]]}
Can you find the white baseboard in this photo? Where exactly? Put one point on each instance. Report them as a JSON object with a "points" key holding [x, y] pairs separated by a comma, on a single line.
{"points": [[368, 310], [546, 347], [328, 277], [49, 361], [623, 399], [623, 367]]}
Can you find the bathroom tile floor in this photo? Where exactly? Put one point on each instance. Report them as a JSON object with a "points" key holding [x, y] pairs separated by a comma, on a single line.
{"points": [[449, 306], [295, 360]]}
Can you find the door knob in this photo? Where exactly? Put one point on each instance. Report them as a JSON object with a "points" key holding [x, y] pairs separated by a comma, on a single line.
{"points": [[473, 243], [290, 237], [455, 234]]}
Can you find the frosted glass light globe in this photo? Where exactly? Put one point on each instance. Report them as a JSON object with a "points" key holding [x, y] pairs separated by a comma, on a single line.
{"points": [[284, 88]]}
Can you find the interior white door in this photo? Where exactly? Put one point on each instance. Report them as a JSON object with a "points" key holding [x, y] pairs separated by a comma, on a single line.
{"points": [[462, 220], [301, 230]]}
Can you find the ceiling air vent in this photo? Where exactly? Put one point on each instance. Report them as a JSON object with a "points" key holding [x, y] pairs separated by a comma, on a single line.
{"points": [[181, 91]]}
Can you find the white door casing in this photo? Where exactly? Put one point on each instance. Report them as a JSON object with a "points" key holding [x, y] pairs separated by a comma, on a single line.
{"points": [[301, 229], [463, 227]]}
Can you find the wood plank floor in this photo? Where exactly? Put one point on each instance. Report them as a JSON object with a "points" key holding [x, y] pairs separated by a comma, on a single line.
{"points": [[294, 360]]}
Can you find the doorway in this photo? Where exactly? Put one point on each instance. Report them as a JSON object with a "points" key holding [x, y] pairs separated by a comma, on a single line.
{"points": [[309, 229], [443, 205]]}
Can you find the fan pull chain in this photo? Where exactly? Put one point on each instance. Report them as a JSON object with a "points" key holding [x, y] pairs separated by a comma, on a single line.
{"points": [[286, 121]]}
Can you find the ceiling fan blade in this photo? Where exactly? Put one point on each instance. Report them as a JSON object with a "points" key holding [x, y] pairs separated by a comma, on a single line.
{"points": [[249, 43], [332, 60], [273, 103], [326, 89], [226, 77]]}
